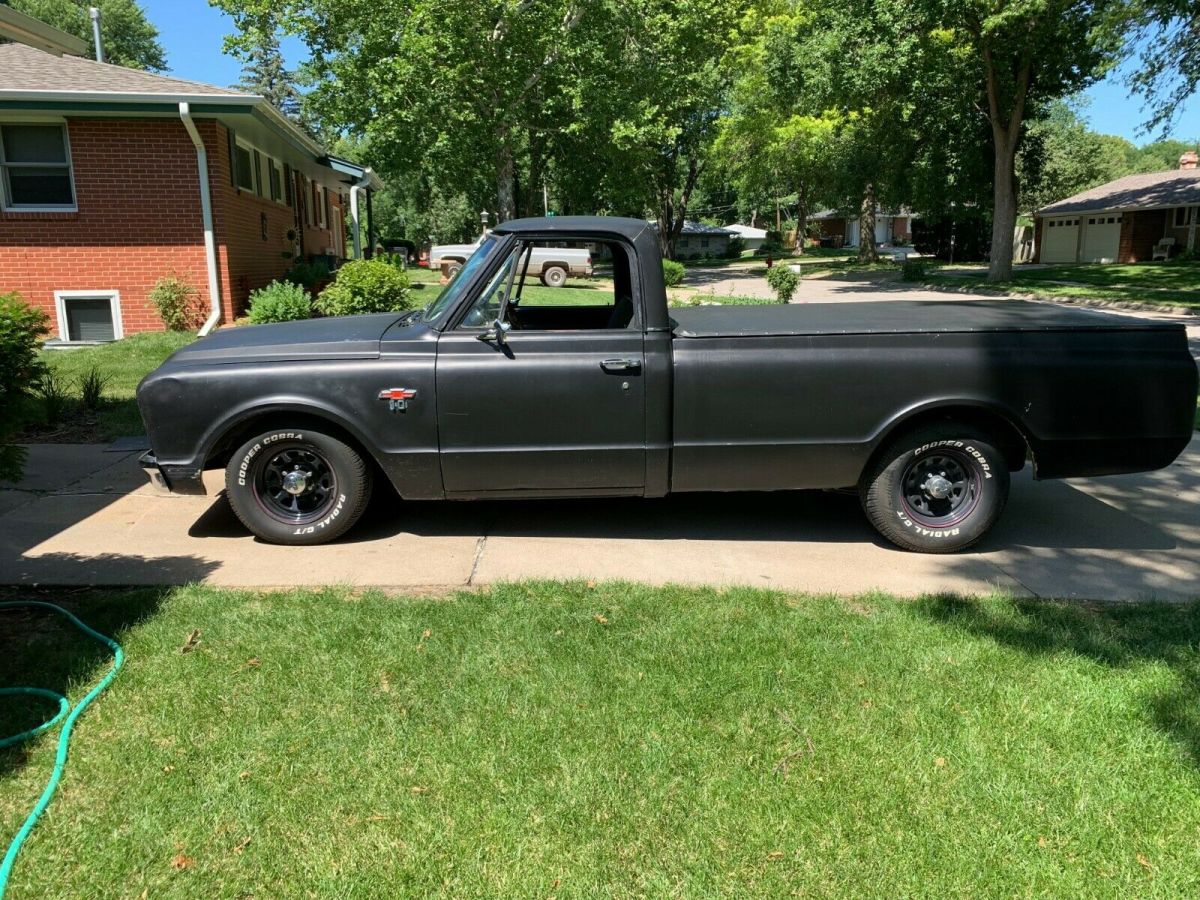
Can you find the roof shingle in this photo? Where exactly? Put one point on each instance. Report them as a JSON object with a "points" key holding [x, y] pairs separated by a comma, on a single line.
{"points": [[1152, 190], [24, 68]]}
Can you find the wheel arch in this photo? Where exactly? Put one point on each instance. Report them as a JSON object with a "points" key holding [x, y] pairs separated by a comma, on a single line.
{"points": [[237, 428], [1013, 441]]}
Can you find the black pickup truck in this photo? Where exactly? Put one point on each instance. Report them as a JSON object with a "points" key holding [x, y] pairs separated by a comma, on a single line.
{"points": [[501, 388]]}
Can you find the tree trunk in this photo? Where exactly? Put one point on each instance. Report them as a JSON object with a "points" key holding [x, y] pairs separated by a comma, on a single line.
{"points": [[671, 216], [506, 182], [1004, 210], [801, 219], [867, 252]]}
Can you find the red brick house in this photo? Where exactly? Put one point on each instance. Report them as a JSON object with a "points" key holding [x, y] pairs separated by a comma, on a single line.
{"points": [[111, 178], [1123, 220]]}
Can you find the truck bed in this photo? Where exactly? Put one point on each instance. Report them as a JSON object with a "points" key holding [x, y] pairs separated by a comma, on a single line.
{"points": [[896, 317]]}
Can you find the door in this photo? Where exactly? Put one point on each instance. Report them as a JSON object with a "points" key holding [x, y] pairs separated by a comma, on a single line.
{"points": [[1060, 240], [1101, 239], [554, 406]]}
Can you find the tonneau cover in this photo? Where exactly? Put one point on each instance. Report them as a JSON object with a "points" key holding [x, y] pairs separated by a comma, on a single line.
{"points": [[895, 317]]}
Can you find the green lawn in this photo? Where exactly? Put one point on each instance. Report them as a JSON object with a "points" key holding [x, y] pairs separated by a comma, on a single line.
{"points": [[124, 363], [1171, 284], [555, 739], [722, 300]]}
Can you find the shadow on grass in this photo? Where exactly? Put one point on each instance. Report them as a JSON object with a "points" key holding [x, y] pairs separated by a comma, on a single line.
{"points": [[1113, 635], [39, 648]]}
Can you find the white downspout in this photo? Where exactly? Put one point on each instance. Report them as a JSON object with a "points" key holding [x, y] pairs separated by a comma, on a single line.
{"points": [[210, 244], [366, 180]]}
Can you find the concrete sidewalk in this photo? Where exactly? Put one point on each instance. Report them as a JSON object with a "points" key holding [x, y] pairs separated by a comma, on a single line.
{"points": [[87, 517]]}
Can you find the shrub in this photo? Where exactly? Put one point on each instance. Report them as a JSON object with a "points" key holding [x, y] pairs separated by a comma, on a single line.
{"points": [[366, 286], [178, 303], [91, 387], [913, 270], [735, 247], [308, 274], [20, 328], [672, 272], [53, 394], [783, 282], [773, 243], [279, 301]]}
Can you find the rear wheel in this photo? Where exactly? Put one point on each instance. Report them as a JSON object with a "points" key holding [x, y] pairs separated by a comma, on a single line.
{"points": [[937, 489], [297, 486], [554, 276]]}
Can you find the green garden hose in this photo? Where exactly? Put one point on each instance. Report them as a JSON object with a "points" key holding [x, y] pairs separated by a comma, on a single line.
{"points": [[64, 736]]}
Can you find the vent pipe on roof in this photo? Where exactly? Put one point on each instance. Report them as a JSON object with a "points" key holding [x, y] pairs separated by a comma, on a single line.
{"points": [[95, 13]]}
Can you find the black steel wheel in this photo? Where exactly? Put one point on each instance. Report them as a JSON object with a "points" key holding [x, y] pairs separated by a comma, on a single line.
{"points": [[936, 489], [297, 486]]}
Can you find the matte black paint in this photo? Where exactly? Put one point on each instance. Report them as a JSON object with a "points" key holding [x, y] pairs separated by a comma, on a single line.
{"points": [[722, 398]]}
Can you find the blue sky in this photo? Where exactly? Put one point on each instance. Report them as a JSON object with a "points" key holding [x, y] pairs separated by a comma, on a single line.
{"points": [[191, 31]]}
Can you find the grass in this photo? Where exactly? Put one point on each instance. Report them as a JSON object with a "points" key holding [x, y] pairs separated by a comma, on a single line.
{"points": [[577, 741], [124, 363], [722, 300], [1168, 284]]}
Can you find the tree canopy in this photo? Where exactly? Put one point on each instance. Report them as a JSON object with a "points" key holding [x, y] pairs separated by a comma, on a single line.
{"points": [[128, 36]]}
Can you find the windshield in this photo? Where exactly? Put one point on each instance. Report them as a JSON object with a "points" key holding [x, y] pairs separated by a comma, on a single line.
{"points": [[450, 295]]}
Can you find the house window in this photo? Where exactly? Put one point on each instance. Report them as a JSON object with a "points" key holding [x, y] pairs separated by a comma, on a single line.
{"points": [[289, 186], [276, 181], [318, 197], [243, 167], [88, 316], [1181, 216], [36, 164]]}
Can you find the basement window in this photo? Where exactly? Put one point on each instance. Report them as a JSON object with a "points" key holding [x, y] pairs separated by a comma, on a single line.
{"points": [[88, 317], [35, 162]]}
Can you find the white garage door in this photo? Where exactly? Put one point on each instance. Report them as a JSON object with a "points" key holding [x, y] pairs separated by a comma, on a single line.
{"points": [[1060, 238], [1101, 239]]}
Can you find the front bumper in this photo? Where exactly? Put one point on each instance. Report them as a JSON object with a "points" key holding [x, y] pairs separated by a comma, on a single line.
{"points": [[172, 479]]}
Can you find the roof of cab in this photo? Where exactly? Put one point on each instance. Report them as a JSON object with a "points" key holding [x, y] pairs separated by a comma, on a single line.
{"points": [[626, 228]]}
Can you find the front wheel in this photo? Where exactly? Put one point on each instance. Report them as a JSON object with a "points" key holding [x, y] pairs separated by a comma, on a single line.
{"points": [[297, 486], [937, 489]]}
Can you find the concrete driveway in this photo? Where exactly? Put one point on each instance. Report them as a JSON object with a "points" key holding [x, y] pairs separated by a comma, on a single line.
{"points": [[84, 516]]}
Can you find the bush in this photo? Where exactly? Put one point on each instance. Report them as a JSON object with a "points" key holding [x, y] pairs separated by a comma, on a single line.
{"points": [[783, 282], [913, 270], [735, 248], [52, 391], [672, 273], [279, 301], [308, 274], [20, 328], [178, 303], [366, 286], [773, 243], [91, 387]]}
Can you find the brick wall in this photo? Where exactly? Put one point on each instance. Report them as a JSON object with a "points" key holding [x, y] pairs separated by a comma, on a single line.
{"points": [[252, 232], [1140, 231], [137, 193], [138, 219]]}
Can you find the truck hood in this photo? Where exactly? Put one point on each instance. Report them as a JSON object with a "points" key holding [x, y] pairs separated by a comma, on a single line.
{"points": [[342, 337]]}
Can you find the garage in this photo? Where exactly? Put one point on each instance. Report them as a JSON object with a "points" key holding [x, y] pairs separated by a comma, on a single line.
{"points": [[1101, 239], [1060, 240]]}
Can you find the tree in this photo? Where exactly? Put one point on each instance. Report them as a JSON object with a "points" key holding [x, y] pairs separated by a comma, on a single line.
{"points": [[1169, 34], [128, 36], [1061, 156], [1027, 52], [263, 69]]}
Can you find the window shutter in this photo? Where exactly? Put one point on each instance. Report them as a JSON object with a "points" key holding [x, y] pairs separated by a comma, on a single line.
{"points": [[232, 157], [288, 186]]}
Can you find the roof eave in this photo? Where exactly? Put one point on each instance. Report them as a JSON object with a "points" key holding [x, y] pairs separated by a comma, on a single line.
{"points": [[85, 97]]}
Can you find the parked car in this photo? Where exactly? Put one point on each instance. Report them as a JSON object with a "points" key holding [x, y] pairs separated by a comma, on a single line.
{"points": [[550, 264], [923, 408]]}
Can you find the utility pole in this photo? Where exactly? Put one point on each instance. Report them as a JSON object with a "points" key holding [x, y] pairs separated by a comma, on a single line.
{"points": [[95, 13]]}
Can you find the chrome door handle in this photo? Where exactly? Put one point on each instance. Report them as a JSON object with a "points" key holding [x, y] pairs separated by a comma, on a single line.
{"points": [[621, 365]]}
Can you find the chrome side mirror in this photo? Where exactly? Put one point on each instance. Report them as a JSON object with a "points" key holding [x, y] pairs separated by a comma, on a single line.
{"points": [[496, 333]]}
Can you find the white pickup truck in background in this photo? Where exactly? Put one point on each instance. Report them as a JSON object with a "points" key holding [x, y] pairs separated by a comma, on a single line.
{"points": [[551, 264]]}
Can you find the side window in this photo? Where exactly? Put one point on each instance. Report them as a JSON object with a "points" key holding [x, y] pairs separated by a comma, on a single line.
{"points": [[561, 286], [486, 308]]}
